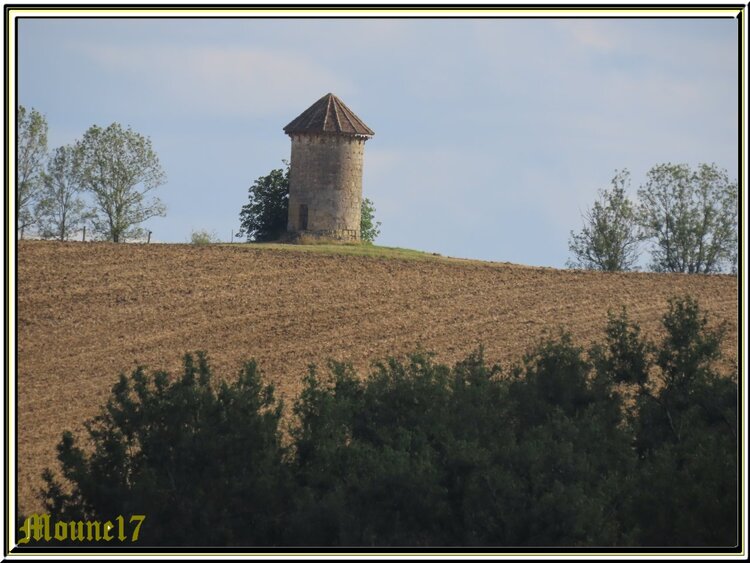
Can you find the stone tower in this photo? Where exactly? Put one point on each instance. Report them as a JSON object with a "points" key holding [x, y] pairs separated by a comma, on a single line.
{"points": [[325, 176]]}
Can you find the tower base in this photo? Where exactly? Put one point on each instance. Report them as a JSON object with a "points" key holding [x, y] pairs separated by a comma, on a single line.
{"points": [[337, 235]]}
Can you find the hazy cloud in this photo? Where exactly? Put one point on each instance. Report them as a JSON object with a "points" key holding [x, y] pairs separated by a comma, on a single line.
{"points": [[240, 81], [590, 34]]}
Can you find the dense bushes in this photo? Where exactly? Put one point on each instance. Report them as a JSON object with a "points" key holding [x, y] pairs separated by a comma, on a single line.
{"points": [[201, 460], [632, 443]]}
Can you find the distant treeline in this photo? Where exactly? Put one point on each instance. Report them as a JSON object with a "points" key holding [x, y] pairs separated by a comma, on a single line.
{"points": [[628, 443]]}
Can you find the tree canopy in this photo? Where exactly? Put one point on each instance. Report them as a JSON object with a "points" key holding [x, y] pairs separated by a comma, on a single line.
{"points": [[264, 217], [119, 168], [633, 443], [609, 239], [31, 155], [690, 217], [61, 211]]}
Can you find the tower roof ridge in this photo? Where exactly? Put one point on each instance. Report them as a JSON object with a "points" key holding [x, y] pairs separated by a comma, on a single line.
{"points": [[328, 115]]}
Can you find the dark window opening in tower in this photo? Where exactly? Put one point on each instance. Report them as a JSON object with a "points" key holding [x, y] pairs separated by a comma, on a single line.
{"points": [[303, 217]]}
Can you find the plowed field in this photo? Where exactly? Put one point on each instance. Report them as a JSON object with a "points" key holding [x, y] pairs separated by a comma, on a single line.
{"points": [[87, 312]]}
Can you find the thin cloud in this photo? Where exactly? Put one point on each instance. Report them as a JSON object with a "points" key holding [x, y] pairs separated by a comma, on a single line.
{"points": [[590, 35], [229, 81]]}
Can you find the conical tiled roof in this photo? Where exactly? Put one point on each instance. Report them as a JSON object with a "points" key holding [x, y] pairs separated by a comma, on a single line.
{"points": [[328, 115]]}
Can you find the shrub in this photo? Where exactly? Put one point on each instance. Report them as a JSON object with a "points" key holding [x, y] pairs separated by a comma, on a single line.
{"points": [[201, 460], [369, 228], [202, 237]]}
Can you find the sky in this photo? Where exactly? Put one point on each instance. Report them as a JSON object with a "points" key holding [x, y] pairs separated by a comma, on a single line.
{"points": [[492, 136]]}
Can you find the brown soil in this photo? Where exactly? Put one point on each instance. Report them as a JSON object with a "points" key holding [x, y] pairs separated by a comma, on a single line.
{"points": [[87, 312]]}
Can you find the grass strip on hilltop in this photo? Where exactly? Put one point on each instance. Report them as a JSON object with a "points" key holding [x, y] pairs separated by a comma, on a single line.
{"points": [[348, 249]]}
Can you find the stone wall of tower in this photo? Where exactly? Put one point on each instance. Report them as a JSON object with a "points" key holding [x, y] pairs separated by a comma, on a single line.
{"points": [[326, 176]]}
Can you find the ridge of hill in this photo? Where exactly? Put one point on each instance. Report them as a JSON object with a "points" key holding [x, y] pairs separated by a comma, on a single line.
{"points": [[89, 311]]}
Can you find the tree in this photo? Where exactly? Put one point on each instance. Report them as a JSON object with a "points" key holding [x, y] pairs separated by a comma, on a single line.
{"points": [[31, 154], [264, 217], [690, 217], [201, 460], [684, 490], [61, 212], [369, 228], [608, 240], [119, 167]]}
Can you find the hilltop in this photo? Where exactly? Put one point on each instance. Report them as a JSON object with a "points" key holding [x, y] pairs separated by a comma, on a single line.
{"points": [[88, 311]]}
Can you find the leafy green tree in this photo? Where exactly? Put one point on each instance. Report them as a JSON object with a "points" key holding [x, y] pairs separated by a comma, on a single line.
{"points": [[31, 154], [608, 240], [422, 454], [684, 490], [119, 168], [201, 460], [573, 453], [264, 217], [61, 212], [369, 229], [690, 217], [366, 457]]}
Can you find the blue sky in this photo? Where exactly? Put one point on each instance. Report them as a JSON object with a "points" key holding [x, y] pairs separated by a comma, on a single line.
{"points": [[491, 135]]}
